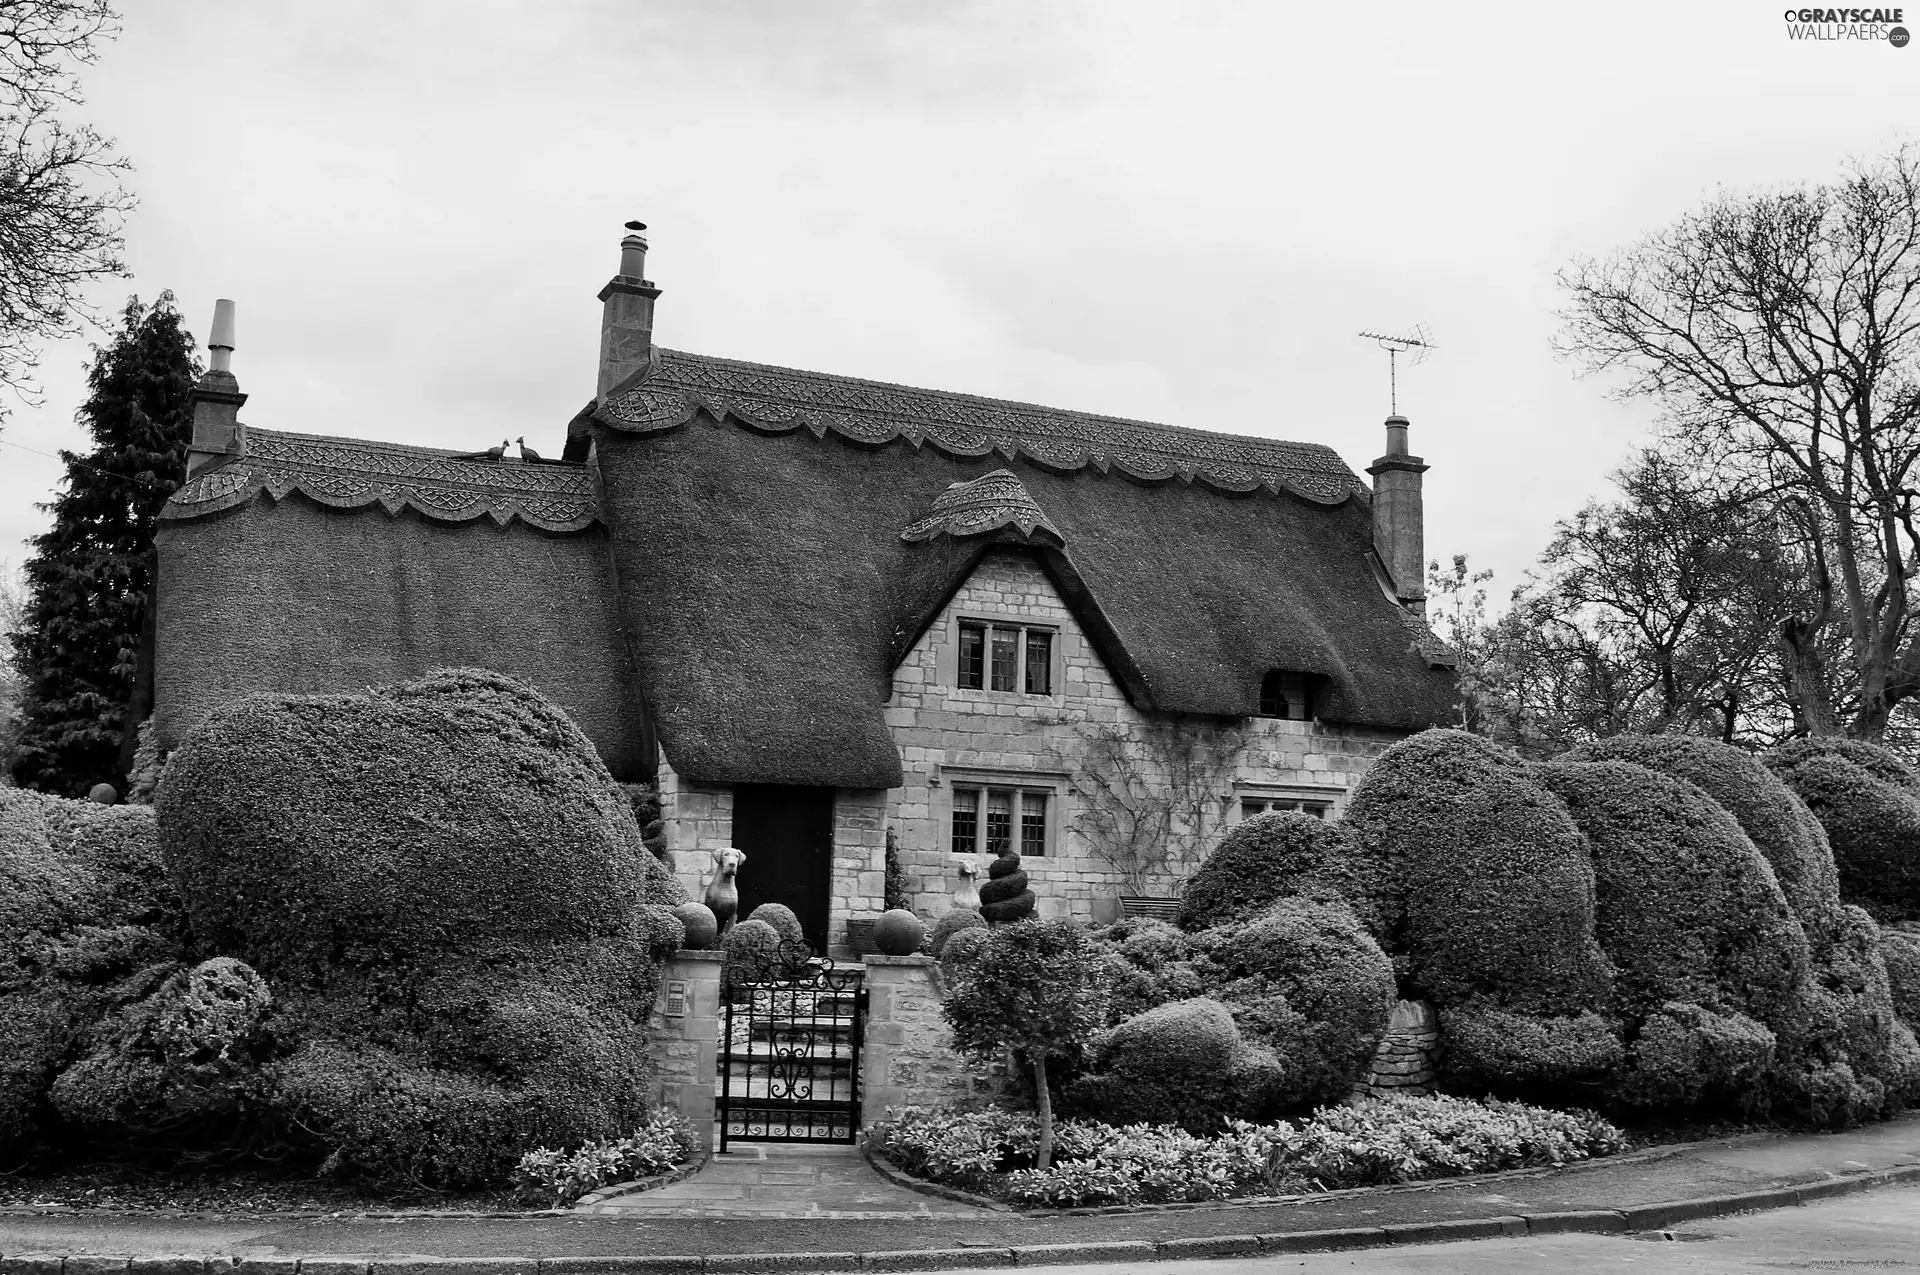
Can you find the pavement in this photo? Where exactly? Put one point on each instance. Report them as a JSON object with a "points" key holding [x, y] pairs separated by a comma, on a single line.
{"points": [[820, 1209]]}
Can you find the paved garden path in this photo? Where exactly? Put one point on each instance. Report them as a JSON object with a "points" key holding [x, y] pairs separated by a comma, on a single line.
{"points": [[776, 1180]]}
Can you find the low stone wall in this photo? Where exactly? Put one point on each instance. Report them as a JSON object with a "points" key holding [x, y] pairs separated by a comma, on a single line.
{"points": [[909, 1056], [685, 1031], [1404, 1061]]}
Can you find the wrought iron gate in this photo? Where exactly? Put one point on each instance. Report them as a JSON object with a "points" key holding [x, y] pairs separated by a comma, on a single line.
{"points": [[790, 1055]]}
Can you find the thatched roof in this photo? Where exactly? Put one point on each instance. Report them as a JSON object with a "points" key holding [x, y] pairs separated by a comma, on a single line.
{"points": [[782, 541], [352, 473]]}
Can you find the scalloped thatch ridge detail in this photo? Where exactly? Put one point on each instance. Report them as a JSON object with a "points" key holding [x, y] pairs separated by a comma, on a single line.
{"points": [[676, 386], [350, 473], [988, 503]]}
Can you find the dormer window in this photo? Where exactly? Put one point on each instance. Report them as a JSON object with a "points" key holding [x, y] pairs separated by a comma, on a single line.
{"points": [[1284, 695], [1005, 657]]}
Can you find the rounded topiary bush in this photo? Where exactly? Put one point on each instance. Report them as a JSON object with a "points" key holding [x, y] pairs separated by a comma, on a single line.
{"points": [[1868, 800], [1262, 859], [1780, 827], [1473, 878], [1307, 981], [87, 922], [962, 947], [1686, 908], [1685, 1054], [1849, 1058], [1005, 897], [448, 894], [793, 937], [1182, 1063], [753, 950], [951, 923]]}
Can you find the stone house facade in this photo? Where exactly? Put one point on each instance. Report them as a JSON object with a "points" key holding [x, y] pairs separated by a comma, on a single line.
{"points": [[816, 611]]}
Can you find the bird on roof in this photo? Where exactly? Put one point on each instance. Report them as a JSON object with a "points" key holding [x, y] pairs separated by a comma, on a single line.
{"points": [[491, 455], [528, 454]]}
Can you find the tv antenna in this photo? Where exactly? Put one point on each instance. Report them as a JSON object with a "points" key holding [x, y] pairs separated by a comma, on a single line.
{"points": [[1418, 343]]}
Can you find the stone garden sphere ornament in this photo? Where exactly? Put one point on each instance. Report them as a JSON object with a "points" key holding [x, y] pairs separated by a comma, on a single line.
{"points": [[105, 794], [898, 933], [703, 928]]}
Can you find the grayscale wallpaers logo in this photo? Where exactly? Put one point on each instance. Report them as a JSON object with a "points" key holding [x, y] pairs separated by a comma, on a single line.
{"points": [[1848, 24]]}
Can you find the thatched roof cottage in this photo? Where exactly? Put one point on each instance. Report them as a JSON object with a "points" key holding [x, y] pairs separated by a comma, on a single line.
{"points": [[819, 610]]}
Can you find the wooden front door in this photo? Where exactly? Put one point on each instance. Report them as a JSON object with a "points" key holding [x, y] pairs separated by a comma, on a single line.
{"points": [[786, 833]]}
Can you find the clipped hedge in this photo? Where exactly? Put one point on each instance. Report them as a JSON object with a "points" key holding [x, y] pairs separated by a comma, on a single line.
{"points": [[1473, 877], [1261, 859], [1900, 949], [448, 896], [1153, 963], [1183, 1063], [1868, 800], [1306, 980], [1849, 1058], [1686, 908], [87, 918]]}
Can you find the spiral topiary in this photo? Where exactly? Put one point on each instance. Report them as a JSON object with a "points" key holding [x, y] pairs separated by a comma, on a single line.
{"points": [[1005, 897], [950, 924]]}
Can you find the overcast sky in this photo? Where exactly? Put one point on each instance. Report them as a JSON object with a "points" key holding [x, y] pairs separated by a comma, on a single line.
{"points": [[1176, 211]]}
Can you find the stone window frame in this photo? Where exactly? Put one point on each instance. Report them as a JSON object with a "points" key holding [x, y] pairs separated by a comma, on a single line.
{"points": [[1332, 796], [1054, 783], [949, 664]]}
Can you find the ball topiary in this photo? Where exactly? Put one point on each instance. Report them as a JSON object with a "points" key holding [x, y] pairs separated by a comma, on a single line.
{"points": [[1182, 1063], [781, 917], [951, 923], [1306, 980], [753, 950], [961, 948], [1868, 800], [1473, 878], [1005, 897], [1686, 907], [703, 929], [1262, 859], [898, 932], [449, 895]]}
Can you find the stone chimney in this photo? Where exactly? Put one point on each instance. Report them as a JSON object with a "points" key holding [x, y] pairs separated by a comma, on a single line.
{"points": [[626, 315], [217, 398], [1399, 539]]}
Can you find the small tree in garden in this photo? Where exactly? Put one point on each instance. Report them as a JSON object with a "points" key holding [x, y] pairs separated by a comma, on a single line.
{"points": [[1038, 987]]}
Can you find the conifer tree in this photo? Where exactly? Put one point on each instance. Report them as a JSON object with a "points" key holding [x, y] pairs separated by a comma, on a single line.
{"points": [[84, 646]]}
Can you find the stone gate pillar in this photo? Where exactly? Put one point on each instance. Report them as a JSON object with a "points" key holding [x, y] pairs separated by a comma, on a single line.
{"points": [[685, 1034]]}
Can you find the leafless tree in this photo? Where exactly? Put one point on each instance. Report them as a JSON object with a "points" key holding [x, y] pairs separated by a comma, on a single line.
{"points": [[61, 198], [1780, 333]]}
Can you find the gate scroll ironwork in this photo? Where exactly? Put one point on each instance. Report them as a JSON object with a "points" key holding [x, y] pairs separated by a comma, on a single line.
{"points": [[790, 1053]]}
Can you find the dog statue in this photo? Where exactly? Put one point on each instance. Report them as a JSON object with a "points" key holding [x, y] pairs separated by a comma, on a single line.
{"points": [[967, 894], [723, 896]]}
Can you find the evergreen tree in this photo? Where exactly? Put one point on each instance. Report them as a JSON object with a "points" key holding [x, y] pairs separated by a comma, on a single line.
{"points": [[84, 648]]}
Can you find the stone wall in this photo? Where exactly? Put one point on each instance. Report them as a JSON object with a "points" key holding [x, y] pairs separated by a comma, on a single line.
{"points": [[1404, 1061], [685, 1031], [909, 1057]]}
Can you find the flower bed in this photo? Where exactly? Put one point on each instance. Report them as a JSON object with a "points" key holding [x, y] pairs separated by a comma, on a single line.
{"points": [[555, 1179], [1372, 1142]]}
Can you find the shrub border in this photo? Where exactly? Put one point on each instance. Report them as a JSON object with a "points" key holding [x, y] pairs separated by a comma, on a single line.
{"points": [[614, 1190]]}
